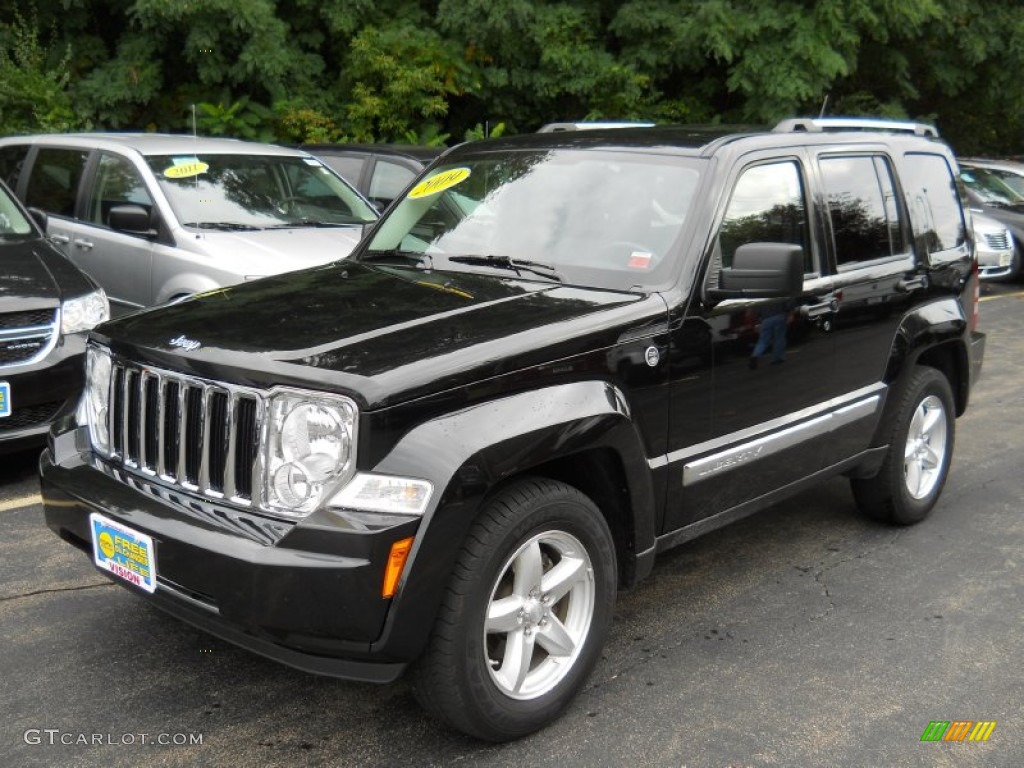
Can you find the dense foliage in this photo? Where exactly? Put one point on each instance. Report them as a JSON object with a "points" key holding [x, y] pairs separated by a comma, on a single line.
{"points": [[437, 70]]}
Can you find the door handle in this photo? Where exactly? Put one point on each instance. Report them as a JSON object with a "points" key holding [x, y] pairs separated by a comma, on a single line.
{"points": [[60, 239], [817, 310], [85, 245], [916, 283]]}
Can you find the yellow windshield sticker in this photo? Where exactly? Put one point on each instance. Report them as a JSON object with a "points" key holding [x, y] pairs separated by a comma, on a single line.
{"points": [[186, 170], [439, 182]]}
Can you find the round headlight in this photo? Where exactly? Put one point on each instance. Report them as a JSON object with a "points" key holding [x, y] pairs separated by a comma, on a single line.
{"points": [[97, 394], [315, 437]]}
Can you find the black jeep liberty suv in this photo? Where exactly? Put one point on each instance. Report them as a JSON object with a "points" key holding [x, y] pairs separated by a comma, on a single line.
{"points": [[555, 357]]}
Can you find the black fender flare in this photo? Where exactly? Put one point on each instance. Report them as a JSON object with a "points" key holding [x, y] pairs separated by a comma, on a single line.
{"points": [[469, 453], [923, 330]]}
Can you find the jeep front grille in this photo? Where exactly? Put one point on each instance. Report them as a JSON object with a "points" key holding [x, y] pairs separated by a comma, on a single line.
{"points": [[200, 435], [26, 337]]}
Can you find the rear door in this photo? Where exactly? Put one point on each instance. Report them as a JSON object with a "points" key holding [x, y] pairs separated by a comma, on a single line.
{"points": [[52, 185]]}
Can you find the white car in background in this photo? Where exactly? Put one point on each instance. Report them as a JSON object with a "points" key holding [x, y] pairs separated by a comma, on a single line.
{"points": [[156, 218], [995, 247]]}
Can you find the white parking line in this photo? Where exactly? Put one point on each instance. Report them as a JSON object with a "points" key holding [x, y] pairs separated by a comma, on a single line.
{"points": [[24, 501]]}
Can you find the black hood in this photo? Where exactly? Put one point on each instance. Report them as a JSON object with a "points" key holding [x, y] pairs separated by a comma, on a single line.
{"points": [[34, 275], [382, 334]]}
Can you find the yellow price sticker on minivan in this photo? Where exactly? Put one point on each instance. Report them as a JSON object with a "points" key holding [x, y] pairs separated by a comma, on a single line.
{"points": [[186, 170], [439, 183]]}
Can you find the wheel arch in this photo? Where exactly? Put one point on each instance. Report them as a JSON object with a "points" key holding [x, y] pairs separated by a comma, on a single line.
{"points": [[580, 433], [935, 335]]}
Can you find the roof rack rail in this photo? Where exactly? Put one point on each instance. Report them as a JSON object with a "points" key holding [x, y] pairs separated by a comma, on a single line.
{"points": [[820, 124]]}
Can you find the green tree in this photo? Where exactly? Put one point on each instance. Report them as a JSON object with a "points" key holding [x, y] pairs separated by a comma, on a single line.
{"points": [[34, 79]]}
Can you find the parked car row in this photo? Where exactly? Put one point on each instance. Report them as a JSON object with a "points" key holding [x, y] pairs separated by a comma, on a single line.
{"points": [[995, 189], [156, 218], [46, 307]]}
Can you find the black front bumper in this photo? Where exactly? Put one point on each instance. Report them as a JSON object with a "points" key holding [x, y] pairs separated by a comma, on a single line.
{"points": [[306, 595], [41, 391]]}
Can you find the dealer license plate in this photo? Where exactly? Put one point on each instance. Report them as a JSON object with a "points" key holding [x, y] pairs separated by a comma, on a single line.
{"points": [[5, 399], [123, 552]]}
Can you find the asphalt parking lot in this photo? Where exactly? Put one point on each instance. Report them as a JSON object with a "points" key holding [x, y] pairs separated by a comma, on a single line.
{"points": [[805, 636]]}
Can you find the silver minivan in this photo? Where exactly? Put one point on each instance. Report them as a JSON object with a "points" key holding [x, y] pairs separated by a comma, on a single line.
{"points": [[156, 218]]}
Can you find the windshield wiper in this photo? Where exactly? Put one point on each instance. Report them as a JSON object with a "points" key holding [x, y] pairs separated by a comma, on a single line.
{"points": [[422, 259], [312, 223], [225, 226], [507, 262]]}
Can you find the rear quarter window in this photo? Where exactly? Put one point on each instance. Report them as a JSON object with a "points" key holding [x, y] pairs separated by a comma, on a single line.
{"points": [[934, 203]]}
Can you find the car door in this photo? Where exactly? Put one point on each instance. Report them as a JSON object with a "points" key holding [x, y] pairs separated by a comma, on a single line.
{"points": [[121, 262], [875, 279], [767, 414], [52, 185]]}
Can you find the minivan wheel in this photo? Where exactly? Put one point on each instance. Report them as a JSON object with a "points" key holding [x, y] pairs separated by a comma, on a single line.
{"points": [[920, 448], [525, 615]]}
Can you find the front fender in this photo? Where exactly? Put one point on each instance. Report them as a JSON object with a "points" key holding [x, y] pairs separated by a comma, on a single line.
{"points": [[467, 454]]}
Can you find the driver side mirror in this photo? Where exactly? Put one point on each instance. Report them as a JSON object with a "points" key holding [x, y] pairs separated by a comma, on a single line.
{"points": [[130, 219], [762, 271]]}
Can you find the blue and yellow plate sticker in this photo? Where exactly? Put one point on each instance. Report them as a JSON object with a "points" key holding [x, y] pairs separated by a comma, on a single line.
{"points": [[127, 554]]}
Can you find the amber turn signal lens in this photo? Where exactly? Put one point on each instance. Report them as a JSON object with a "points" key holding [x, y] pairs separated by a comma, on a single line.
{"points": [[396, 563]]}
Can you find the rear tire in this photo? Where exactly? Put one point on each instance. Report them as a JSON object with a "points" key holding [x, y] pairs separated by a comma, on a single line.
{"points": [[525, 615], [920, 449]]}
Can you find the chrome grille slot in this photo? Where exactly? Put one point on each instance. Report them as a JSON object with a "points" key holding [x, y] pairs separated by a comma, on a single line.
{"points": [[26, 337], [199, 435]]}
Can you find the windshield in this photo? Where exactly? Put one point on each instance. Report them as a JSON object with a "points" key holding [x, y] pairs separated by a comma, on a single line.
{"points": [[589, 217], [214, 191], [13, 224], [993, 187]]}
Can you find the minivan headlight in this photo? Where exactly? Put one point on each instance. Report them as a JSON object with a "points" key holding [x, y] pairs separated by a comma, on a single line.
{"points": [[84, 312], [310, 450], [96, 398]]}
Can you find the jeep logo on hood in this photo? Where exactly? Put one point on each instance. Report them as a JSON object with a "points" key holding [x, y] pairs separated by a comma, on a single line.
{"points": [[185, 343]]}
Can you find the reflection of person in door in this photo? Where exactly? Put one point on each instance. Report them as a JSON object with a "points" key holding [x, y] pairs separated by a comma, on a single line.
{"points": [[772, 333]]}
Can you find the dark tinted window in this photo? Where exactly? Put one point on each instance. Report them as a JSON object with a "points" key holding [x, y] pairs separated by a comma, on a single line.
{"points": [[348, 167], [863, 208], [767, 206], [934, 203], [117, 183], [11, 160], [389, 179], [54, 181]]}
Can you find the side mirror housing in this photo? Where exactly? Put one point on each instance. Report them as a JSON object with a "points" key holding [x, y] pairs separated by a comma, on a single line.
{"points": [[39, 216], [762, 271], [130, 219]]}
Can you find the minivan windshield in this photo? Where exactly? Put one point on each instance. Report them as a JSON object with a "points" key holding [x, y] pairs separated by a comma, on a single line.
{"points": [[602, 218], [13, 224], [244, 191]]}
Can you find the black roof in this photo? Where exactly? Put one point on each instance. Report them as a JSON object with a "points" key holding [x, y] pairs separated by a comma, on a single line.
{"points": [[423, 154]]}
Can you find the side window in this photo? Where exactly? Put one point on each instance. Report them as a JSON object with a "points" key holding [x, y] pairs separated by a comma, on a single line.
{"points": [[863, 208], [53, 185], [389, 179], [348, 167], [935, 211], [11, 160], [117, 182], [767, 205]]}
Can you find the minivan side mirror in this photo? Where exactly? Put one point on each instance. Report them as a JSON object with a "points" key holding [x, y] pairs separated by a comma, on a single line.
{"points": [[130, 219], [762, 271]]}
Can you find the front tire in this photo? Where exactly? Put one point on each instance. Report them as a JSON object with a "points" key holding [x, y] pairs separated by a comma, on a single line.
{"points": [[920, 449], [525, 615]]}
